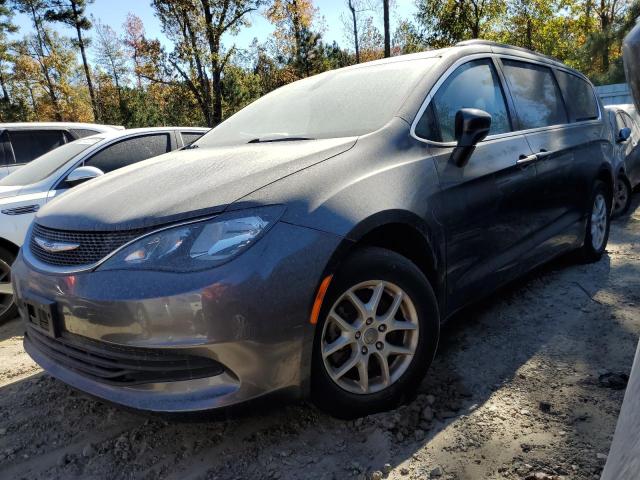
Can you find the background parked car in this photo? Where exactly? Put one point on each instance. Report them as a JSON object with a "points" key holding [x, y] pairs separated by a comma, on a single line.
{"points": [[22, 142], [23, 192], [626, 160]]}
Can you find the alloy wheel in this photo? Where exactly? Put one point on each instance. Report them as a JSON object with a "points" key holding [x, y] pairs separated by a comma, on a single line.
{"points": [[599, 220], [621, 197], [6, 289], [370, 337]]}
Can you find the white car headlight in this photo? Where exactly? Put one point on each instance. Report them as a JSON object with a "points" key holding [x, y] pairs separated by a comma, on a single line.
{"points": [[198, 245]]}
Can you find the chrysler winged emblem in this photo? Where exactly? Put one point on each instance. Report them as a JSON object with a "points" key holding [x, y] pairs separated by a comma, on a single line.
{"points": [[55, 247]]}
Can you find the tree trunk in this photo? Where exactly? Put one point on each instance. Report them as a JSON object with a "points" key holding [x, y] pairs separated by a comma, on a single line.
{"points": [[604, 24], [387, 34], [215, 114], [5, 92], [355, 30], [87, 73], [45, 71]]}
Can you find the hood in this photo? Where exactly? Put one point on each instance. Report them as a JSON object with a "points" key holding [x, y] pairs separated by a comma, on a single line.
{"points": [[10, 191], [182, 185]]}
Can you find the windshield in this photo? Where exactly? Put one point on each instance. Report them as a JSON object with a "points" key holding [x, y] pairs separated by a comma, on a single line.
{"points": [[340, 103], [46, 164]]}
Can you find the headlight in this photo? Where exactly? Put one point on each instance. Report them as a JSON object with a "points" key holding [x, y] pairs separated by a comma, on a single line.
{"points": [[198, 245]]}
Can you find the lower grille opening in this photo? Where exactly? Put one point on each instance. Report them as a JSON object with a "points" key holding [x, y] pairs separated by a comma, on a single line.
{"points": [[119, 365]]}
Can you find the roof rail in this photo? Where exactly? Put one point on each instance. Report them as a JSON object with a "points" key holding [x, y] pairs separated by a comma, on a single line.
{"points": [[491, 43]]}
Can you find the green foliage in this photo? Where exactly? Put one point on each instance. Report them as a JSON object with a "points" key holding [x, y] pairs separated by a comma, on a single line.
{"points": [[202, 77]]}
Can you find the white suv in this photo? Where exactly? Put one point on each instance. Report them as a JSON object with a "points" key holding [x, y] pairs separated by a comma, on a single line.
{"points": [[22, 142]]}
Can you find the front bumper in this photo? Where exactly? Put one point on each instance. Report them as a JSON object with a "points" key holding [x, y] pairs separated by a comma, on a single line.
{"points": [[249, 316]]}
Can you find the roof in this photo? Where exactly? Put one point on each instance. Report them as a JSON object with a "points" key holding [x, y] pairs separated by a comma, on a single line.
{"points": [[136, 131], [78, 125], [487, 46]]}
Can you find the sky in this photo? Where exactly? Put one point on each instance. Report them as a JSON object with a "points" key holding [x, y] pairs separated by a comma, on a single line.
{"points": [[114, 13]]}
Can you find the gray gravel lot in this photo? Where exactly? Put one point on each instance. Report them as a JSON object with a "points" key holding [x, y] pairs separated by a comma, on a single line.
{"points": [[525, 386]]}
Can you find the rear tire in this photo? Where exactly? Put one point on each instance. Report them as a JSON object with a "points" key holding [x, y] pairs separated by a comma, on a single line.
{"points": [[621, 196], [598, 224], [8, 308], [404, 319]]}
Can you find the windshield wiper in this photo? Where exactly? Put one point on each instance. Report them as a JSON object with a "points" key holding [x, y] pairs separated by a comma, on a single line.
{"points": [[190, 147], [279, 139]]}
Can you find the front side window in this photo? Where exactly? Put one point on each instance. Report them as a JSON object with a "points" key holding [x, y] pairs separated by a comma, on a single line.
{"points": [[30, 144], [579, 96], [130, 151], [473, 85], [535, 94]]}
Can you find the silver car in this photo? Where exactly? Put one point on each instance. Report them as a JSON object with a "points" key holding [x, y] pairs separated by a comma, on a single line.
{"points": [[626, 157]]}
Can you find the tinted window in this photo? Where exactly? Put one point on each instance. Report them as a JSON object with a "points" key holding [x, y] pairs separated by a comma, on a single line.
{"points": [[84, 132], [30, 144], [579, 96], [48, 163], [189, 137], [473, 85], [127, 152], [535, 93], [339, 103]]}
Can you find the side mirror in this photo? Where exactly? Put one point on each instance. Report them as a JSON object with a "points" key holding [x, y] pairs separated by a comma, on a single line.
{"points": [[82, 174], [472, 126], [623, 135]]}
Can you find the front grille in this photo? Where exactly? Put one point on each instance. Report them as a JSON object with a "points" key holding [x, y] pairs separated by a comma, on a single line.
{"points": [[93, 246], [119, 365]]}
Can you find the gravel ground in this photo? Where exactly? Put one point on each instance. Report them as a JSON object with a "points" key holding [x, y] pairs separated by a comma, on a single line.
{"points": [[526, 385]]}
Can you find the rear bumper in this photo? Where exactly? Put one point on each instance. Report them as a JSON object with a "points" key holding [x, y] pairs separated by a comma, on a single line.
{"points": [[247, 321]]}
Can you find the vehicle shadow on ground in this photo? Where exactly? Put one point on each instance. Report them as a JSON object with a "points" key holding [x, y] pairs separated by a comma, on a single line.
{"points": [[541, 320]]}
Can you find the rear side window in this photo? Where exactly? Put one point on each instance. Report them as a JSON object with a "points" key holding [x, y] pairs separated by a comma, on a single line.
{"points": [[579, 97], [30, 144], [473, 85], [535, 94], [84, 132], [189, 137], [130, 151]]}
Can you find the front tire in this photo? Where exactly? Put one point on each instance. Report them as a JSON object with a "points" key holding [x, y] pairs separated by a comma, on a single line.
{"points": [[8, 308], [598, 224], [377, 334], [621, 196]]}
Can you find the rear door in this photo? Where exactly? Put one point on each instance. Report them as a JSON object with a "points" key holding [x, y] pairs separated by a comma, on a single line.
{"points": [[564, 139], [485, 206]]}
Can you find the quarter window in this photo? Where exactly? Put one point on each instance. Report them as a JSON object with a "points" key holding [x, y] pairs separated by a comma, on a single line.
{"points": [[473, 85], [127, 152], [535, 94], [579, 96]]}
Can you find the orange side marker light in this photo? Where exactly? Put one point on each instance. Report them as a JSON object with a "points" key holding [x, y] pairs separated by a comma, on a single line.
{"points": [[317, 304]]}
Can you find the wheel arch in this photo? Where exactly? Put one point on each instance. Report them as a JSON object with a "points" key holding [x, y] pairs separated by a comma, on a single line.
{"points": [[9, 245], [402, 232]]}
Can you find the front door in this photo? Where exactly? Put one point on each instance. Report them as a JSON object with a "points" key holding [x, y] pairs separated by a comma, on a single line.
{"points": [[487, 207]]}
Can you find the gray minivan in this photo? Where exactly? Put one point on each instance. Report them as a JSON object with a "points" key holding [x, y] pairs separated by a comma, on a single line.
{"points": [[314, 242]]}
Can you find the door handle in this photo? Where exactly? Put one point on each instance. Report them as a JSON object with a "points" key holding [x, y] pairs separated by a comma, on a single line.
{"points": [[527, 159], [543, 154]]}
